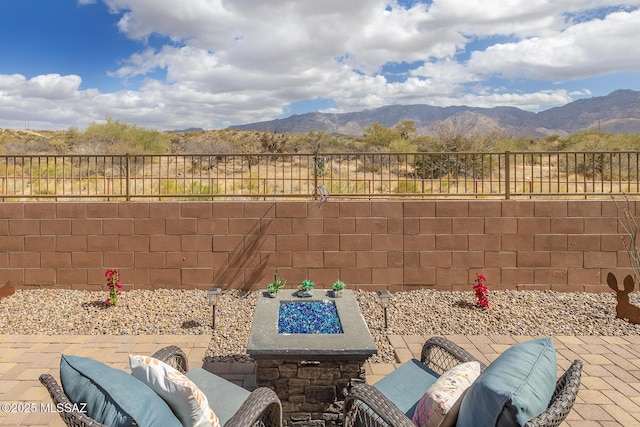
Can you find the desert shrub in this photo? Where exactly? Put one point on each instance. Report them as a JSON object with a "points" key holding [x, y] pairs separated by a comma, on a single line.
{"points": [[599, 141], [335, 187], [251, 186], [590, 165], [31, 144], [372, 163], [41, 187], [502, 143], [406, 129], [197, 188], [402, 146], [205, 144], [626, 141], [252, 158], [170, 186], [203, 163], [116, 137], [408, 187], [274, 142], [437, 165], [329, 143], [379, 136]]}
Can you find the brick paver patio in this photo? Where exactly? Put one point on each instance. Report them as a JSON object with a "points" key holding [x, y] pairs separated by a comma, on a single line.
{"points": [[609, 395]]}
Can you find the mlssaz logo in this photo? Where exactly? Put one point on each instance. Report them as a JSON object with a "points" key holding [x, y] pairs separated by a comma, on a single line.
{"points": [[65, 407]]}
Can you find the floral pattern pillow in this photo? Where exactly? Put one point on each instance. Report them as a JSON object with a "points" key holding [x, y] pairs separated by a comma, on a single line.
{"points": [[441, 402], [184, 397]]}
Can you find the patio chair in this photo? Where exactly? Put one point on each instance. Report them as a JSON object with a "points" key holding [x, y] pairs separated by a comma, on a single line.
{"points": [[393, 400], [234, 406]]}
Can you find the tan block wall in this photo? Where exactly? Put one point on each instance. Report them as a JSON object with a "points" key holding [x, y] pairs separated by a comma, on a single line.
{"points": [[400, 245]]}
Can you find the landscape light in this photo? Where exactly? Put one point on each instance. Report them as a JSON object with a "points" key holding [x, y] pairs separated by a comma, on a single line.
{"points": [[213, 295], [385, 299]]}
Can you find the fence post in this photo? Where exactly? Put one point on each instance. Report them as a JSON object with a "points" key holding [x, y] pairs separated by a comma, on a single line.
{"points": [[127, 178], [315, 173], [507, 175], [264, 188]]}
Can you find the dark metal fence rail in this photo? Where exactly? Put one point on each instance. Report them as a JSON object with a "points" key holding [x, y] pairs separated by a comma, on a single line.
{"points": [[341, 175]]}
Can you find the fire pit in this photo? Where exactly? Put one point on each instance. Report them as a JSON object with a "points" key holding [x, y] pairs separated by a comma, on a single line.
{"points": [[308, 352], [308, 317]]}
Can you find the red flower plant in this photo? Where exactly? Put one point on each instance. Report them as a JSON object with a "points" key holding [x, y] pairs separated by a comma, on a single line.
{"points": [[113, 282], [482, 293]]}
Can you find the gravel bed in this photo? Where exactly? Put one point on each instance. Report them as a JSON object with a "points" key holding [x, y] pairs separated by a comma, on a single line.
{"points": [[424, 312]]}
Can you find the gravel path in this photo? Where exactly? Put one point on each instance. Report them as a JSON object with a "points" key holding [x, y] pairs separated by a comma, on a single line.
{"points": [[140, 312]]}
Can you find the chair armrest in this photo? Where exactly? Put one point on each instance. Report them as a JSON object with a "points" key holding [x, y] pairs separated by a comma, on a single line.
{"points": [[71, 417], [262, 405], [366, 403], [563, 398], [440, 355], [173, 356]]}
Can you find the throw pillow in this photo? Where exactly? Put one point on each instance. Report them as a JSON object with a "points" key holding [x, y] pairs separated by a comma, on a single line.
{"points": [[113, 397], [406, 385], [515, 388], [440, 404], [184, 397]]}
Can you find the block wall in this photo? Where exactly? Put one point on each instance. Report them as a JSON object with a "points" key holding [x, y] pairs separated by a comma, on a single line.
{"points": [[399, 245]]}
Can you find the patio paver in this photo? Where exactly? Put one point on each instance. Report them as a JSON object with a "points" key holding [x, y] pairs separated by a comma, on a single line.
{"points": [[609, 394]]}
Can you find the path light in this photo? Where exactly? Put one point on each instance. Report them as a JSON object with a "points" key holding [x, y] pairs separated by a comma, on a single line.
{"points": [[213, 295], [385, 299]]}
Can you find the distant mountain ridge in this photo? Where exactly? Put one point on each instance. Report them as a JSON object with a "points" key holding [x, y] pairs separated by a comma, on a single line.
{"points": [[618, 112]]}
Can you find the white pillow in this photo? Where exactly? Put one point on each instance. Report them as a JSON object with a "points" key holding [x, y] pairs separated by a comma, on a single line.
{"points": [[184, 397], [440, 404]]}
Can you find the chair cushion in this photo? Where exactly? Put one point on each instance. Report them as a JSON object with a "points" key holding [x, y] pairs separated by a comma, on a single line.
{"points": [[225, 398], [184, 397], [406, 385], [516, 387], [113, 397], [440, 404]]}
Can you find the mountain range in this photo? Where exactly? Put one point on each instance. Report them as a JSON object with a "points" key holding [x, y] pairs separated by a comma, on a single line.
{"points": [[618, 112]]}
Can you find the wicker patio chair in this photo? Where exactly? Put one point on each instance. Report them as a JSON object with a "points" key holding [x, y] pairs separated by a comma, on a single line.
{"points": [[261, 409], [365, 405]]}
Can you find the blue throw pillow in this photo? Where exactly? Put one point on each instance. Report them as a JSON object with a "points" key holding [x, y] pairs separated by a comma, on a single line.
{"points": [[113, 397], [517, 386], [406, 385]]}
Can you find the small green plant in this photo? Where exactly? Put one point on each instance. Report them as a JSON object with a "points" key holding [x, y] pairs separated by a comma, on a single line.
{"points": [[338, 285], [276, 285], [306, 285]]}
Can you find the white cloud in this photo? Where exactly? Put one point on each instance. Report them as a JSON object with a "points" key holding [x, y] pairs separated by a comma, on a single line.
{"points": [[529, 101], [232, 61], [50, 101], [44, 87], [586, 49]]}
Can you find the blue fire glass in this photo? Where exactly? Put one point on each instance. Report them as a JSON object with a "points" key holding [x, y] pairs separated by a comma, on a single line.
{"points": [[308, 317]]}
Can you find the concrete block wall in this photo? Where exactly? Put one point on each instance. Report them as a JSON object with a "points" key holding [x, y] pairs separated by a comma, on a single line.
{"points": [[396, 244]]}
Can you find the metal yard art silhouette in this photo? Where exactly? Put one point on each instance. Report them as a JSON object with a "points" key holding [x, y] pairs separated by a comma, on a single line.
{"points": [[624, 309]]}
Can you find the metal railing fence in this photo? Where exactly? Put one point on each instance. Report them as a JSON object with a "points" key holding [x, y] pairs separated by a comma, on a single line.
{"points": [[302, 176]]}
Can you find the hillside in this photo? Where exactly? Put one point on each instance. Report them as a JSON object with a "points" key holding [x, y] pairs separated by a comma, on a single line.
{"points": [[618, 112]]}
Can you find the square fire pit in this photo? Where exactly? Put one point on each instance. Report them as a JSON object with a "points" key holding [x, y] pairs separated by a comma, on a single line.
{"points": [[309, 317], [308, 350]]}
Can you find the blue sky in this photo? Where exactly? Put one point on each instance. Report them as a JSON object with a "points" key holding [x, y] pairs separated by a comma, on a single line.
{"points": [[213, 63]]}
